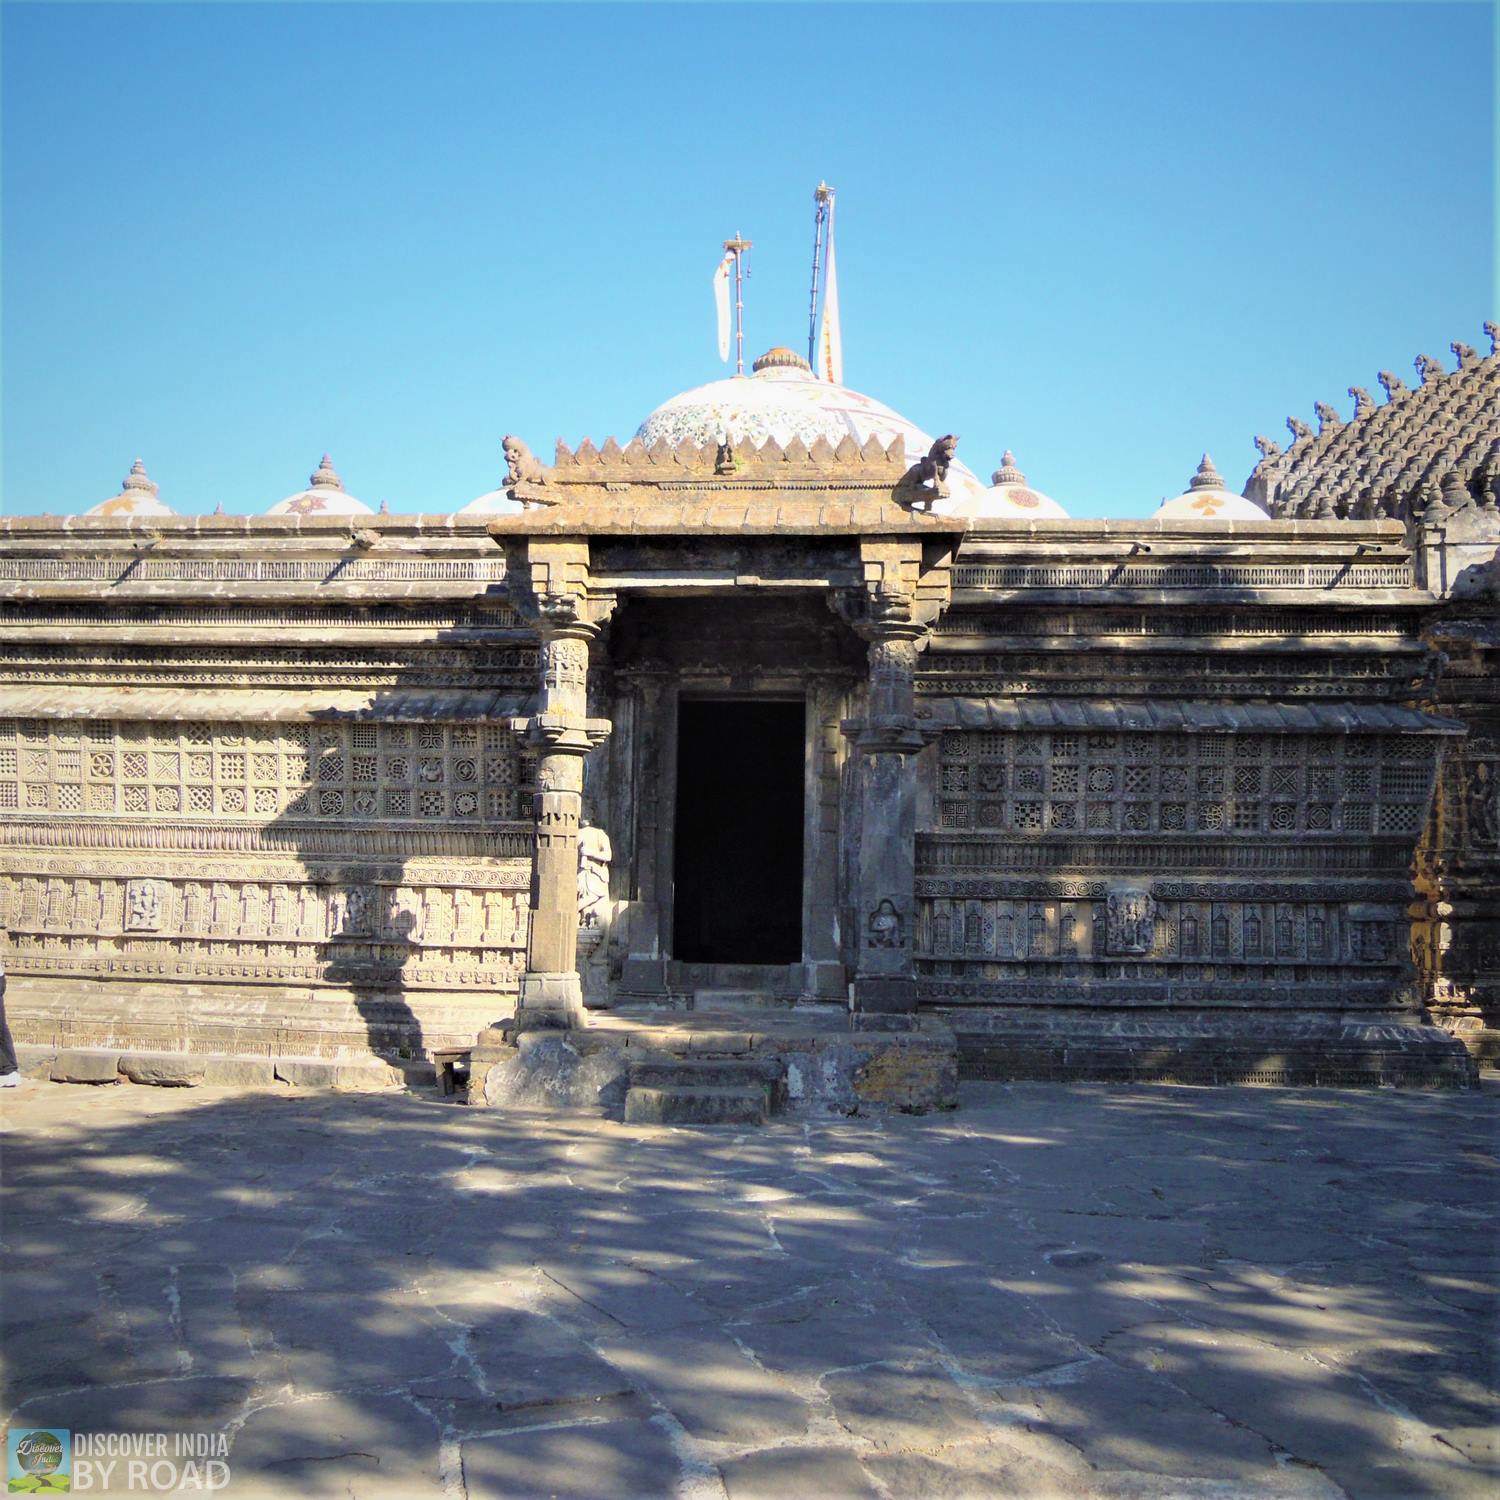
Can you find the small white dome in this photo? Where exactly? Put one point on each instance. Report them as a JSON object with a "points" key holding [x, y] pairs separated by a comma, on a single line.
{"points": [[1009, 498], [1207, 498], [137, 497], [493, 503], [783, 399], [326, 497]]}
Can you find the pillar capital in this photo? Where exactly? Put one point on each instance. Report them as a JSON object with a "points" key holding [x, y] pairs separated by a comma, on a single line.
{"points": [[901, 594], [554, 593]]}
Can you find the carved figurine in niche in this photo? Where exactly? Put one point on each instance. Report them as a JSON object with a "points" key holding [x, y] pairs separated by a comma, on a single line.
{"points": [[886, 927], [594, 855], [357, 909], [1369, 942], [192, 908], [338, 912], [1484, 805], [143, 904], [1130, 921]]}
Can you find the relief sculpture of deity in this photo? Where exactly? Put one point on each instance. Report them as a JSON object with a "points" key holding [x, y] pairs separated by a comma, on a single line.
{"points": [[1130, 921], [1484, 804], [594, 855], [143, 903], [886, 927]]}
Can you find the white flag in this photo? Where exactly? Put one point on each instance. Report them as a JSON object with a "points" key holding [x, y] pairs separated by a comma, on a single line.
{"points": [[831, 340], [721, 302]]}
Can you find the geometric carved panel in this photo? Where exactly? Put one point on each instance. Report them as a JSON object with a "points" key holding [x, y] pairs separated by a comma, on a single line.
{"points": [[347, 770], [1145, 784]]}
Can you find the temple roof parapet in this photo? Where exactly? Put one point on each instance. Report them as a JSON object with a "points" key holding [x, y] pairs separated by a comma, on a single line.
{"points": [[1431, 446]]}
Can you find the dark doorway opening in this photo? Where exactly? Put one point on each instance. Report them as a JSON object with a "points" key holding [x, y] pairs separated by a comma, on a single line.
{"points": [[738, 867]]}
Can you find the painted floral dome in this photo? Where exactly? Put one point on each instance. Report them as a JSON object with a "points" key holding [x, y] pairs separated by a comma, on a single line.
{"points": [[326, 497], [783, 399], [1008, 498], [1208, 499], [137, 497]]}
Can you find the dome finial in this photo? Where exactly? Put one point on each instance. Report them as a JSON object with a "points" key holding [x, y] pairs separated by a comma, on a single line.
{"points": [[781, 358], [1207, 477], [323, 477], [138, 480], [1007, 473]]}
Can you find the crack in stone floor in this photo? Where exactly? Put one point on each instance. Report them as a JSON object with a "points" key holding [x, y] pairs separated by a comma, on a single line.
{"points": [[1058, 1291]]}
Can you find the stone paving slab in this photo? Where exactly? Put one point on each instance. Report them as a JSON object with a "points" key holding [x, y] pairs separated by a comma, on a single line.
{"points": [[1057, 1293]]}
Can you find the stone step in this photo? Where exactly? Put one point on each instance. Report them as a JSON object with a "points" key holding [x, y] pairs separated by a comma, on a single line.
{"points": [[737, 999], [692, 1104], [709, 1072]]}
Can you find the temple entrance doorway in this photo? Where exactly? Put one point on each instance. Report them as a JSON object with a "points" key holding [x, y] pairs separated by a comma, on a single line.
{"points": [[738, 861]]}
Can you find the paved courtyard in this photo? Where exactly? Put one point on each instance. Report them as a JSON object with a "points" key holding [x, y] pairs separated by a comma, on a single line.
{"points": [[1053, 1292]]}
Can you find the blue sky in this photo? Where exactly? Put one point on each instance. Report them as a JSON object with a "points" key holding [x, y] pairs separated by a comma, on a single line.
{"points": [[1107, 237]]}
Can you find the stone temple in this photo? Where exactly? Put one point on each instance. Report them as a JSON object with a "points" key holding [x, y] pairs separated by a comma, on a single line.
{"points": [[771, 758]]}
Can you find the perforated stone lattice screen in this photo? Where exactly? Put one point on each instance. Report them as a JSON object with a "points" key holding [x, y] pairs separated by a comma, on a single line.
{"points": [[1150, 784], [259, 772]]}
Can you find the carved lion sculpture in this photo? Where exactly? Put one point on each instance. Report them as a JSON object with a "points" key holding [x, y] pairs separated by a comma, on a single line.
{"points": [[1268, 449], [523, 467], [935, 465], [1298, 429], [1394, 384], [927, 479]]}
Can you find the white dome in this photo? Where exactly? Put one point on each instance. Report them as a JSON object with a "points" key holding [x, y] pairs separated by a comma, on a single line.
{"points": [[783, 399], [493, 503], [137, 497], [1009, 498], [1207, 498], [326, 497]]}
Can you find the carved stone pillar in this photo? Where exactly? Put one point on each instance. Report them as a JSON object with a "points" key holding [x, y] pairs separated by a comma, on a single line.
{"points": [[894, 614], [567, 618]]}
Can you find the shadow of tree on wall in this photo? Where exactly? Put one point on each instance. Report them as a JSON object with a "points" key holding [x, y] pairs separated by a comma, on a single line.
{"points": [[1052, 1292]]}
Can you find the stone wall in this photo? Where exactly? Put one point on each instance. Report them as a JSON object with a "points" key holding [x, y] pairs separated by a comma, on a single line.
{"points": [[369, 859], [259, 789]]}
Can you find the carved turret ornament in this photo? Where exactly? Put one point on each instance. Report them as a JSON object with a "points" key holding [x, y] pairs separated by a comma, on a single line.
{"points": [[1328, 419], [1394, 385]]}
